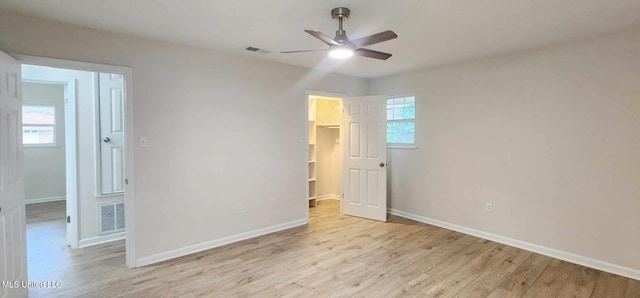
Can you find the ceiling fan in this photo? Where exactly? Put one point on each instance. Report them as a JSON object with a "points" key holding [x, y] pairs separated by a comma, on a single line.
{"points": [[341, 47]]}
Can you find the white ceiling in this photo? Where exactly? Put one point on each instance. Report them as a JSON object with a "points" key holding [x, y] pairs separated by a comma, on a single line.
{"points": [[431, 32]]}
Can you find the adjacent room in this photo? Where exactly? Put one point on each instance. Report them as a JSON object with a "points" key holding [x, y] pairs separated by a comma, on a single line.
{"points": [[320, 148]]}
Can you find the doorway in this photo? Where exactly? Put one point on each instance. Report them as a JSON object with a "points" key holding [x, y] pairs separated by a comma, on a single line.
{"points": [[346, 153], [96, 123], [325, 153]]}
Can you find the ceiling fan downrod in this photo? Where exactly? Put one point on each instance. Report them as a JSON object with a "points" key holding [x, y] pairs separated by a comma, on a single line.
{"points": [[340, 14]]}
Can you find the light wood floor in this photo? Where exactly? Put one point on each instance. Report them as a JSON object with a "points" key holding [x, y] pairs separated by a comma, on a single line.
{"points": [[337, 256]]}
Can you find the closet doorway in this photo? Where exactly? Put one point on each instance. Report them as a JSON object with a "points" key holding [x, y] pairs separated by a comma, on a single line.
{"points": [[325, 149], [347, 150]]}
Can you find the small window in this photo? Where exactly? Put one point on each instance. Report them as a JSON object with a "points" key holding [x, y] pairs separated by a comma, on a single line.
{"points": [[401, 120], [38, 125]]}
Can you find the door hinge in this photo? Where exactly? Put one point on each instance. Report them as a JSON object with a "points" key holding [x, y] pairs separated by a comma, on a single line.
{"points": [[126, 181], [68, 219]]}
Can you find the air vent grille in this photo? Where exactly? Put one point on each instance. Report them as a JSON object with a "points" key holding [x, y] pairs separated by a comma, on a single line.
{"points": [[111, 217], [257, 50]]}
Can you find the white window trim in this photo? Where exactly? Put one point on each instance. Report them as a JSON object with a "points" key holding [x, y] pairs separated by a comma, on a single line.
{"points": [[400, 145]]}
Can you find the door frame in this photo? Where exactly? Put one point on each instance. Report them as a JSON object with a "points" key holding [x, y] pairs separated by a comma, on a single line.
{"points": [[70, 151], [127, 72], [311, 92]]}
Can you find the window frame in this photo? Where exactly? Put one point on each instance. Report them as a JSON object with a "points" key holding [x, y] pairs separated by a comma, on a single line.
{"points": [[403, 145], [54, 126]]}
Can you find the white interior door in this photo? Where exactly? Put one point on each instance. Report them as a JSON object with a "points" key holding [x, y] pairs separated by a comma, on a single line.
{"points": [[112, 132], [364, 145], [13, 249]]}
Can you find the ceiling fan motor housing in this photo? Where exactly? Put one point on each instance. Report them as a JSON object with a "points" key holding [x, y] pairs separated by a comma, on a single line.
{"points": [[340, 14]]}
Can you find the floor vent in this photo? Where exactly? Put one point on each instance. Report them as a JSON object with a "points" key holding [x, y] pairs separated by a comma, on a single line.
{"points": [[111, 217]]}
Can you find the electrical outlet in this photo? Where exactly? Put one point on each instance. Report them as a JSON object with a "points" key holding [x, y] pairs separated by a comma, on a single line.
{"points": [[489, 207], [239, 208]]}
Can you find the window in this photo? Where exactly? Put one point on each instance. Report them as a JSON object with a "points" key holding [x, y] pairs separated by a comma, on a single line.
{"points": [[38, 125], [401, 120]]}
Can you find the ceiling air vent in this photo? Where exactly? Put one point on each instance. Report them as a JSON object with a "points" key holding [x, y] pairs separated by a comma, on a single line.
{"points": [[257, 50]]}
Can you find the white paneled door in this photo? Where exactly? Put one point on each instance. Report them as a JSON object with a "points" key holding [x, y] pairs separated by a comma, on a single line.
{"points": [[13, 250], [364, 145], [112, 132]]}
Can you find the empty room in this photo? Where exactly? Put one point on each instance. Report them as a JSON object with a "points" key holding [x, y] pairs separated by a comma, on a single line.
{"points": [[416, 148]]}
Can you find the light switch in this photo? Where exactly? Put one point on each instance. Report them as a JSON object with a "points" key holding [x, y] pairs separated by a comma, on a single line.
{"points": [[144, 142]]}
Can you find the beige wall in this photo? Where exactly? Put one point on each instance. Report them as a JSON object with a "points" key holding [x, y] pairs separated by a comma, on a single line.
{"points": [[249, 111], [550, 136], [44, 166]]}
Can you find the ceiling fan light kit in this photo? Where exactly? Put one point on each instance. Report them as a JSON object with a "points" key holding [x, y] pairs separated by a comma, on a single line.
{"points": [[341, 47], [340, 52]]}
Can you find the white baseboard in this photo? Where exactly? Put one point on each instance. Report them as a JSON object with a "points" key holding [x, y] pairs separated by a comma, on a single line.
{"points": [[171, 254], [554, 253], [100, 239], [328, 197], [44, 200]]}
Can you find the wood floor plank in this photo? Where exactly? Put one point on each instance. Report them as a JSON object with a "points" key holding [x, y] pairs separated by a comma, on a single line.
{"points": [[551, 280], [333, 256], [633, 289], [610, 285], [580, 283], [488, 280]]}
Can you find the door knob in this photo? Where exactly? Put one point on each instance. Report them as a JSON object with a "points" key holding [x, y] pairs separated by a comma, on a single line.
{"points": [[382, 164], [107, 140]]}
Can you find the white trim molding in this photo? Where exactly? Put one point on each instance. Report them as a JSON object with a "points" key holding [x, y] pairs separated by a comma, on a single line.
{"points": [[329, 197], [44, 200], [171, 254], [100, 239], [550, 252]]}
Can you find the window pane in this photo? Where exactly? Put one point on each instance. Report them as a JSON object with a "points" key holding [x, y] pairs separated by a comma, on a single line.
{"points": [[34, 135], [393, 138], [398, 114], [411, 127], [401, 111], [410, 113], [38, 115], [397, 127]]}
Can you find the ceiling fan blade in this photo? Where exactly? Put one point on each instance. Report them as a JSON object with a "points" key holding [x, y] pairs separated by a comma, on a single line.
{"points": [[304, 51], [372, 54], [375, 38], [321, 36]]}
